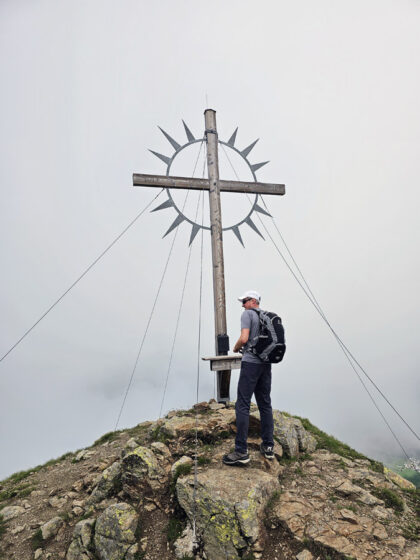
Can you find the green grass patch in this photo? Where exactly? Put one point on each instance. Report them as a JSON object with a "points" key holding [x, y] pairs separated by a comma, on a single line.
{"points": [[249, 556], [108, 437], [391, 498], [174, 529], [157, 434], [17, 491], [412, 532], [2, 526], [139, 432], [181, 470], [305, 457], [325, 441], [88, 514], [412, 529], [352, 508], [203, 460], [413, 497], [21, 475], [37, 541], [288, 460], [342, 465], [376, 466], [274, 498]]}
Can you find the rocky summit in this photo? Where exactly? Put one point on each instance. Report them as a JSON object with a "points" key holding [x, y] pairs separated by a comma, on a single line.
{"points": [[160, 491]]}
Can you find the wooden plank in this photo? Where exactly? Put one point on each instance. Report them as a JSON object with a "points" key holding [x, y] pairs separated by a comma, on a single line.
{"points": [[144, 180], [224, 363], [217, 358]]}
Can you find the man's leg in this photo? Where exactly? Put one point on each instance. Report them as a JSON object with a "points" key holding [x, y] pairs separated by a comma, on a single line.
{"points": [[263, 398], [247, 381]]}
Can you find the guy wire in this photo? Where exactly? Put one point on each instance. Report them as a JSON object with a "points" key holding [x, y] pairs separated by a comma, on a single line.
{"points": [[312, 299], [82, 275], [155, 301]]}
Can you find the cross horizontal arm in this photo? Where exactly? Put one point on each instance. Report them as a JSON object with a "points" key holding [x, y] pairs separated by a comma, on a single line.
{"points": [[142, 180]]}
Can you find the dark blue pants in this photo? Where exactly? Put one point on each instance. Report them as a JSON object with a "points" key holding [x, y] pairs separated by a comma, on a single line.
{"points": [[254, 378]]}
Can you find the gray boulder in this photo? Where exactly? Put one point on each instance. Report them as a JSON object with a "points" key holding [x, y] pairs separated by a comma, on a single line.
{"points": [[229, 506], [292, 435], [108, 484], [10, 512], [141, 466], [115, 533], [306, 441], [81, 547], [51, 528]]}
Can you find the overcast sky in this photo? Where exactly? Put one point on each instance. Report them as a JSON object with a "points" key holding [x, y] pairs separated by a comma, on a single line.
{"points": [[331, 88]]}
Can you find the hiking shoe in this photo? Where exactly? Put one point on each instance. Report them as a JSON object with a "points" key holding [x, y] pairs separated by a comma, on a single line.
{"points": [[236, 458], [267, 451]]}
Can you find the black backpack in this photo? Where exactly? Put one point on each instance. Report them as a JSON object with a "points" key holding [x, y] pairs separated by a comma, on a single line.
{"points": [[269, 345]]}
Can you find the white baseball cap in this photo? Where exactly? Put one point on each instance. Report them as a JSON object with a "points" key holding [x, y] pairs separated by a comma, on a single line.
{"points": [[250, 294]]}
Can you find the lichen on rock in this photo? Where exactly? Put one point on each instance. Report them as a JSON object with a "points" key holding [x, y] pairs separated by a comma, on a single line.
{"points": [[141, 466], [115, 532], [228, 508], [109, 483], [81, 546]]}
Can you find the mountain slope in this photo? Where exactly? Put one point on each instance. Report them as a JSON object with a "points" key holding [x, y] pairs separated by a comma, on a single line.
{"points": [[133, 495]]}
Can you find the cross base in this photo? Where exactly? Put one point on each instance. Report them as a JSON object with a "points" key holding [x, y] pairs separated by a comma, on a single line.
{"points": [[223, 365]]}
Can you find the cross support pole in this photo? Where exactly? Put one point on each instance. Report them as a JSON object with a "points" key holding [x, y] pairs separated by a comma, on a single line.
{"points": [[220, 327]]}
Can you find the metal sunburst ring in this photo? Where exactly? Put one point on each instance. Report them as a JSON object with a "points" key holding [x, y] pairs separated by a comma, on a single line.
{"points": [[170, 202]]}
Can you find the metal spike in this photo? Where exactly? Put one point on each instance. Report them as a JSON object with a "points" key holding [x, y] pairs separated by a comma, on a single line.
{"points": [[167, 204], [258, 208], [253, 226], [258, 165], [194, 231], [232, 139], [175, 224], [236, 231], [188, 132], [165, 159], [249, 148], [170, 139]]}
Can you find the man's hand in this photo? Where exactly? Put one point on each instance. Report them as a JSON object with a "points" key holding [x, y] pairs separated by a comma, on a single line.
{"points": [[242, 340], [237, 346]]}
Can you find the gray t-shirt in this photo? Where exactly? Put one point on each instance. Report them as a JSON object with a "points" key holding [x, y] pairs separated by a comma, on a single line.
{"points": [[251, 321]]}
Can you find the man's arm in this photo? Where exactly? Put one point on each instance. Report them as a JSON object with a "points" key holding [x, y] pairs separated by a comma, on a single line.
{"points": [[242, 340]]}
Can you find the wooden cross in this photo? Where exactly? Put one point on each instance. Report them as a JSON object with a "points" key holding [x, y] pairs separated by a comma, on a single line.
{"points": [[221, 363]]}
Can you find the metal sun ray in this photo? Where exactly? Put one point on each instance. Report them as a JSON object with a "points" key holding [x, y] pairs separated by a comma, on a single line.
{"points": [[173, 142]]}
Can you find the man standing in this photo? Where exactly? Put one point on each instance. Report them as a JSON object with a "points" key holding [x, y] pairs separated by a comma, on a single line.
{"points": [[255, 378]]}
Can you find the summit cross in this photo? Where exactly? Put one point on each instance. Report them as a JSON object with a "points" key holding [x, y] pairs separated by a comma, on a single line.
{"points": [[221, 363]]}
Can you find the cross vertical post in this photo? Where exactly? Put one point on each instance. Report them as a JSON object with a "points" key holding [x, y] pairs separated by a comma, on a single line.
{"points": [[220, 327]]}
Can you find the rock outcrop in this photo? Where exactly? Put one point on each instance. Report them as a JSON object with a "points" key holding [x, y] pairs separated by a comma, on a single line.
{"points": [[115, 533], [227, 506], [142, 493], [339, 508]]}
